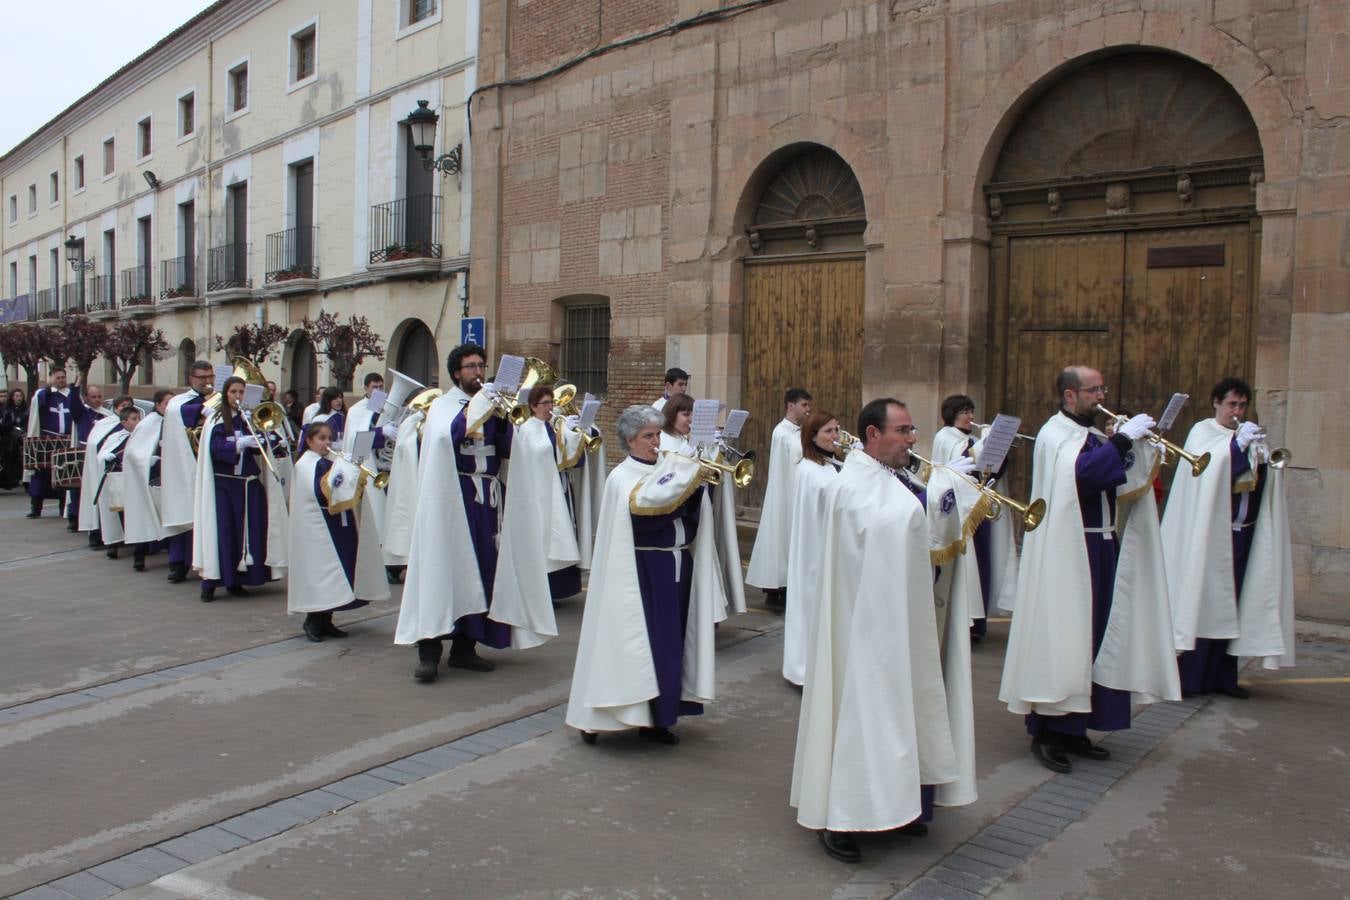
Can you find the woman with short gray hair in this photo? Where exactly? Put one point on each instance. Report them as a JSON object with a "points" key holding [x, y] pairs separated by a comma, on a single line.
{"points": [[633, 419]]}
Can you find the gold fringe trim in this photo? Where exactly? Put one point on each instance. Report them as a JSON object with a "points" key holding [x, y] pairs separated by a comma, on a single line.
{"points": [[347, 505], [1246, 482], [978, 514], [1147, 486], [663, 510]]}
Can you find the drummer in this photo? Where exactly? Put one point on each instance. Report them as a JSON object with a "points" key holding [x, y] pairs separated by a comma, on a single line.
{"points": [[52, 414]]}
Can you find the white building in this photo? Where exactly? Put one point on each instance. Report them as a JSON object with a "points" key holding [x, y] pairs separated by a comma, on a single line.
{"points": [[256, 166]]}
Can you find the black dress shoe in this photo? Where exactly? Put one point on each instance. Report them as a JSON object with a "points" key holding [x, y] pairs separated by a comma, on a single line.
{"points": [[236, 591], [112, 553], [72, 525], [425, 671], [138, 566], [177, 573], [1237, 692], [914, 829], [328, 629], [313, 629], [34, 514], [660, 736], [589, 737], [208, 594], [471, 661], [1050, 756], [839, 845], [1079, 745]]}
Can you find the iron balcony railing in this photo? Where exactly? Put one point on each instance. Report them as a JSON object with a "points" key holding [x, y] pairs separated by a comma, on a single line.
{"points": [[406, 229], [72, 297], [136, 286], [178, 278], [227, 267], [102, 293], [290, 255], [46, 306]]}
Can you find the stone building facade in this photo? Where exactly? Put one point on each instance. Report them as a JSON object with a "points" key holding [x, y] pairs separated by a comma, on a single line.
{"points": [[917, 199]]}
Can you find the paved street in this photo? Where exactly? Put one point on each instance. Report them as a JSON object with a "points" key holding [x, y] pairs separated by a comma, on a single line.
{"points": [[162, 747]]}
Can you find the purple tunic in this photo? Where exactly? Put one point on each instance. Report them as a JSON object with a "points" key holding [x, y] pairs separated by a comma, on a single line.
{"points": [[237, 485], [665, 579], [342, 531], [56, 413], [1209, 667], [180, 545], [1100, 470], [479, 463]]}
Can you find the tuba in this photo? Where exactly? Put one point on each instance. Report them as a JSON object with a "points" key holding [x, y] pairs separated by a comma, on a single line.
{"points": [[536, 372], [1030, 514], [421, 402], [564, 404]]}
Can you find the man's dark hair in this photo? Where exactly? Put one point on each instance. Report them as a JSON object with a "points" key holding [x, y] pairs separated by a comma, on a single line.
{"points": [[676, 374], [123, 399], [202, 365], [455, 360], [371, 377], [954, 405], [161, 394], [796, 395], [55, 369], [1231, 384], [875, 414], [1067, 380], [124, 414]]}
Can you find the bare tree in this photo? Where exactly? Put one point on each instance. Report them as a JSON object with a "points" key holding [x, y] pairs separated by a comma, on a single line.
{"points": [[346, 344], [256, 343], [81, 341], [131, 343], [26, 345]]}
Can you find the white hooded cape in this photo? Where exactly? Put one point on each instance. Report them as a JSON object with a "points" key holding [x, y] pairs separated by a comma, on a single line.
{"points": [[1198, 544], [141, 500], [806, 545], [90, 518], [442, 584], [615, 677], [537, 537], [874, 724], [316, 581], [948, 444], [400, 507], [1049, 666], [768, 559], [588, 488], [206, 539], [177, 470]]}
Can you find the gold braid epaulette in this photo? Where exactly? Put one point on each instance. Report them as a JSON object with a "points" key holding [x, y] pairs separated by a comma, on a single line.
{"points": [[978, 514]]}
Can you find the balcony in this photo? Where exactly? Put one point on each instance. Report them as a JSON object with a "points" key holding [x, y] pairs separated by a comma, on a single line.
{"points": [[178, 281], [227, 273], [291, 268], [405, 235], [136, 291], [46, 306], [72, 297], [102, 296]]}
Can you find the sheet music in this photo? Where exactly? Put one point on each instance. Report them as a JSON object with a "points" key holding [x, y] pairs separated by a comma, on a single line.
{"points": [[589, 410], [736, 420], [997, 442], [703, 426], [253, 394], [376, 402], [362, 445], [1173, 410], [509, 371], [222, 372], [588, 398]]}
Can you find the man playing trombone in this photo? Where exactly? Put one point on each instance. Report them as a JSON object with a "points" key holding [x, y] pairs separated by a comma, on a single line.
{"points": [[1226, 540]]}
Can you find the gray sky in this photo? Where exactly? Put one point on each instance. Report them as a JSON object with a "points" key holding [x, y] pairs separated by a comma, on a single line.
{"points": [[55, 53]]}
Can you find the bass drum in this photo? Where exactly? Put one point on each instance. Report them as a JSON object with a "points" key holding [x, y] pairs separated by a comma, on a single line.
{"points": [[67, 467]]}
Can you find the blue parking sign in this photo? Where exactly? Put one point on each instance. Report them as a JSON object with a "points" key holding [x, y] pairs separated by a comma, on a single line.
{"points": [[473, 330]]}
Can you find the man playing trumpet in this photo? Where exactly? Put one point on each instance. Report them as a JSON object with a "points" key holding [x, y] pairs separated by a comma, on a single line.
{"points": [[1226, 540]]}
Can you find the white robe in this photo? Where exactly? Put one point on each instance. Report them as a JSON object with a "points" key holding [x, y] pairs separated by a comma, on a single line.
{"points": [[316, 581], [442, 584], [873, 724], [140, 499], [310, 412], [769, 558], [615, 677], [1049, 666], [205, 537], [373, 523], [660, 403], [537, 537], [89, 514], [724, 526], [805, 549], [1198, 546], [400, 508], [177, 469], [588, 487], [948, 444]]}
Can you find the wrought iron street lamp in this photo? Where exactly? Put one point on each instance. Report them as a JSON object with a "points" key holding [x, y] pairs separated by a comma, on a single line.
{"points": [[421, 124], [75, 255]]}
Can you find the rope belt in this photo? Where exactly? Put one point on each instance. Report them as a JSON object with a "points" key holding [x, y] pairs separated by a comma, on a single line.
{"points": [[1107, 532], [246, 559], [664, 549], [1243, 525]]}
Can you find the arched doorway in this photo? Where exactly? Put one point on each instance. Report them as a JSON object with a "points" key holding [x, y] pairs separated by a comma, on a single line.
{"points": [[803, 289], [417, 356], [1124, 235], [302, 367], [187, 355]]}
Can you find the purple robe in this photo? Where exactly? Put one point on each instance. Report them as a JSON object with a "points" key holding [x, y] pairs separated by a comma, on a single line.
{"points": [[1209, 667], [234, 489], [342, 531], [479, 464], [56, 413], [180, 545], [665, 587], [1100, 469]]}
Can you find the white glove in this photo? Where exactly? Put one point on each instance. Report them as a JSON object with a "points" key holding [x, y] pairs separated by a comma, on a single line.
{"points": [[1137, 427], [1248, 432], [490, 388], [572, 421], [246, 442], [107, 456], [962, 465], [389, 430]]}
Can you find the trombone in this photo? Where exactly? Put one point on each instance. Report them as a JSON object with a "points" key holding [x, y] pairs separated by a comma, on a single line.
{"points": [[1170, 452], [1030, 514], [264, 417]]}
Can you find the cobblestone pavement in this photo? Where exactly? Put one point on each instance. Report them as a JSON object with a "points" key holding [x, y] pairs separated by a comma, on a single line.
{"points": [[155, 746]]}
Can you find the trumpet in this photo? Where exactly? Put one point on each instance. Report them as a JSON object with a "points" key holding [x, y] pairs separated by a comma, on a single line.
{"points": [[742, 472], [1030, 514], [1276, 459], [847, 442], [1170, 452], [1017, 437]]}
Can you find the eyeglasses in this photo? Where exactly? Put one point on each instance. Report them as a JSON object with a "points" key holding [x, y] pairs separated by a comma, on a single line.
{"points": [[907, 429], [473, 365], [1099, 390]]}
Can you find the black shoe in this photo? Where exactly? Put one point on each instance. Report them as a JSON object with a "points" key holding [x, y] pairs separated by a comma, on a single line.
{"points": [[425, 671], [33, 514], [660, 736], [95, 542], [112, 553], [914, 829], [208, 594], [34, 509], [589, 737], [776, 599], [1050, 756], [1237, 692], [72, 525], [839, 845], [313, 628], [177, 573], [138, 566], [236, 591], [393, 574], [1079, 745], [330, 630], [471, 661]]}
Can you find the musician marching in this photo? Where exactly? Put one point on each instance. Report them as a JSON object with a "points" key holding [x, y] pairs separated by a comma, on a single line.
{"points": [[768, 557], [183, 418], [92, 504], [141, 483], [51, 415], [368, 414]]}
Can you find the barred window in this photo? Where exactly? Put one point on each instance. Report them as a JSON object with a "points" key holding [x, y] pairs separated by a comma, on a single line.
{"points": [[585, 347]]}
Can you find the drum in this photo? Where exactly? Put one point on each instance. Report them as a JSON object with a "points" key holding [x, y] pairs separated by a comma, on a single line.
{"points": [[37, 451], [67, 467]]}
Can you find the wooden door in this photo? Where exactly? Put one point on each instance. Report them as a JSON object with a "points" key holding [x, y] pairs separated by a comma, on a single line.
{"points": [[803, 328]]}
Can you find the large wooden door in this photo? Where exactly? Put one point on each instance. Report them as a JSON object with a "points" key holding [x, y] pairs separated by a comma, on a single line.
{"points": [[803, 328], [1156, 311]]}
